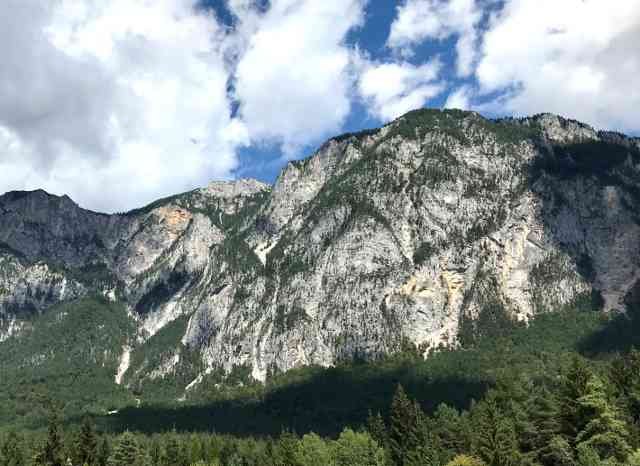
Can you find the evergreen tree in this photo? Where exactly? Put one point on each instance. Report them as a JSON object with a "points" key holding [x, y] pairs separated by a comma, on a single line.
{"points": [[495, 441], [450, 432], [625, 375], [103, 453], [127, 452], [11, 453], [605, 432], [587, 456], [546, 426], [377, 428], [558, 452], [406, 427], [421, 456], [87, 443], [52, 454], [174, 451], [573, 386], [155, 451], [195, 449]]}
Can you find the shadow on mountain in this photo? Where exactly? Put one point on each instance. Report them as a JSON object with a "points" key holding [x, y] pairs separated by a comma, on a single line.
{"points": [[323, 403], [589, 193], [621, 332], [563, 177], [325, 400]]}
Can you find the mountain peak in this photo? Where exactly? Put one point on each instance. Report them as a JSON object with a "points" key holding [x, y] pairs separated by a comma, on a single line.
{"points": [[233, 188], [36, 195]]}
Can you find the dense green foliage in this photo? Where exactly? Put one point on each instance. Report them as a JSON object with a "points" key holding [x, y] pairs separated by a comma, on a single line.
{"points": [[70, 355], [305, 399], [301, 400], [578, 413]]}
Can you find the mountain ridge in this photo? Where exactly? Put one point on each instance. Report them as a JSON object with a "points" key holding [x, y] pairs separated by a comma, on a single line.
{"points": [[411, 234], [339, 138]]}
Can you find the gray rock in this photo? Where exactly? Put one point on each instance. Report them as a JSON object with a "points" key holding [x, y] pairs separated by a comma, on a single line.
{"points": [[378, 240]]}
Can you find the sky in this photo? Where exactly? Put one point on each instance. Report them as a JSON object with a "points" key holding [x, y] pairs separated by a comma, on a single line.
{"points": [[119, 102]]}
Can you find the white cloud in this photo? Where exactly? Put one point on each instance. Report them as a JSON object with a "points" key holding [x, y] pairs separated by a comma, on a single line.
{"points": [[115, 103], [460, 98], [119, 102], [581, 61], [392, 89], [420, 20], [294, 77]]}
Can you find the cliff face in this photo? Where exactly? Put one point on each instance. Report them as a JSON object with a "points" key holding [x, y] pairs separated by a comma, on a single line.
{"points": [[403, 235]]}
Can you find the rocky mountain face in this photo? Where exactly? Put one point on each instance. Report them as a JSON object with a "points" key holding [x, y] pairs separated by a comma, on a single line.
{"points": [[405, 235]]}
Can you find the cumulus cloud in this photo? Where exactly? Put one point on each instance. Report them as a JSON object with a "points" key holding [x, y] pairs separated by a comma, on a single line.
{"points": [[420, 20], [293, 77], [582, 61], [119, 102], [392, 89], [114, 103], [48, 99], [460, 98]]}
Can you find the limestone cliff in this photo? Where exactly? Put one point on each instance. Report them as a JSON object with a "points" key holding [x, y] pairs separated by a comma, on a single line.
{"points": [[402, 235]]}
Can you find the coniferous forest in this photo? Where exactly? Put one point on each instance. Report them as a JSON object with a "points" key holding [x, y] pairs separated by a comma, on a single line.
{"points": [[563, 390], [319, 233]]}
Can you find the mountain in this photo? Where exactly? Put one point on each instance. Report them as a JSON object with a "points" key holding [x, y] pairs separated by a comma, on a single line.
{"points": [[425, 233]]}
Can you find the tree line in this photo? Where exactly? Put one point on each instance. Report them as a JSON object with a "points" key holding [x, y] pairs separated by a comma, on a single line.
{"points": [[585, 414]]}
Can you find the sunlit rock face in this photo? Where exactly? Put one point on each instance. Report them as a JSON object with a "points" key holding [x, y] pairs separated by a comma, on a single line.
{"points": [[380, 239]]}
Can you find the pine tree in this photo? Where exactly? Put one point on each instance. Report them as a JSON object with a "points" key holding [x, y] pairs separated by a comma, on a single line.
{"points": [[605, 432], [127, 452], [546, 425], [155, 451], [377, 428], [52, 453], [587, 456], [495, 441], [11, 453], [406, 427], [558, 452], [625, 375], [574, 385], [103, 453], [174, 451], [87, 443], [195, 451], [450, 431], [420, 456]]}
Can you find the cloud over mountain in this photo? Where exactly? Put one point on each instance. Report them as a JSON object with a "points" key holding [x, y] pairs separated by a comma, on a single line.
{"points": [[119, 102]]}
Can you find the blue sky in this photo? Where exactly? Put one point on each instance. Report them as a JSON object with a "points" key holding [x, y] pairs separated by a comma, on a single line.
{"points": [[264, 161], [120, 102]]}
